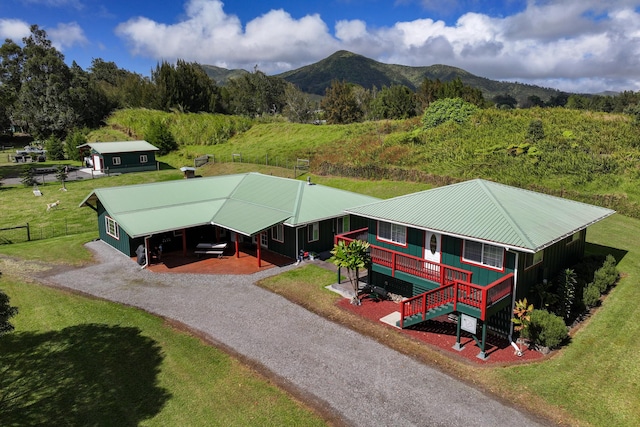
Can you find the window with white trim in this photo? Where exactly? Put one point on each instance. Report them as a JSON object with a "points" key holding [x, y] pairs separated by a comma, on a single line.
{"points": [[112, 227], [277, 233], [483, 254], [343, 224], [143, 158], [116, 161], [392, 232], [313, 232]]}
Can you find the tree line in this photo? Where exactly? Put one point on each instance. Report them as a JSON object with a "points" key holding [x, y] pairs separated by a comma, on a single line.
{"points": [[41, 95]]}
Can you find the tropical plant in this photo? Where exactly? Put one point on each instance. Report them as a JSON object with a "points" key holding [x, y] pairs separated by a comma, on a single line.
{"points": [[352, 256], [522, 315], [568, 281]]}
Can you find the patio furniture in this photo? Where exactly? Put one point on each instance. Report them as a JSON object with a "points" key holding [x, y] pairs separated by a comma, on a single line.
{"points": [[211, 249]]}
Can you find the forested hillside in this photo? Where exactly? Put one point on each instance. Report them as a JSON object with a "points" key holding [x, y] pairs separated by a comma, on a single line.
{"points": [[582, 155]]}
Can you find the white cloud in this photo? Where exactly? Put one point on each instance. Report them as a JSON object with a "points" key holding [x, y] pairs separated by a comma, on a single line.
{"points": [[14, 29], [275, 41], [66, 35], [591, 43]]}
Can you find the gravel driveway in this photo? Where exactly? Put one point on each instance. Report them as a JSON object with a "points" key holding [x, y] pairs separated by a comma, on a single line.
{"points": [[327, 362]]}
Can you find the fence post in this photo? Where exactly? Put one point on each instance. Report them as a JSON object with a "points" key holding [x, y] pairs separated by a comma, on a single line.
{"points": [[28, 233]]}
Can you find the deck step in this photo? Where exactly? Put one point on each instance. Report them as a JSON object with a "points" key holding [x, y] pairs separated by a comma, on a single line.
{"points": [[431, 314]]}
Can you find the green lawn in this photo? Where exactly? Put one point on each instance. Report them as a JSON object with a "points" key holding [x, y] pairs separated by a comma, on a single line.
{"points": [[597, 376], [78, 361], [595, 380]]}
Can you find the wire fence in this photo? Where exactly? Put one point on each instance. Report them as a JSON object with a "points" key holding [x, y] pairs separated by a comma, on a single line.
{"points": [[28, 232], [297, 165]]}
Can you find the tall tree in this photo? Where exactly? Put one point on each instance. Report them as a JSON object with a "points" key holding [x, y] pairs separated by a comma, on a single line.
{"points": [[90, 103], [11, 63], [340, 105], [395, 102], [298, 106], [185, 87], [255, 94], [44, 102]]}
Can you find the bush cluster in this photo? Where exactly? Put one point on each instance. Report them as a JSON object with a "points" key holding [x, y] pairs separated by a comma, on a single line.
{"points": [[603, 278], [545, 329]]}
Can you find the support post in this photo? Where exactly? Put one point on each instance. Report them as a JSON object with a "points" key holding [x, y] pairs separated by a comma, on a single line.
{"points": [[184, 242], [482, 354], [237, 246], [259, 250], [457, 345]]}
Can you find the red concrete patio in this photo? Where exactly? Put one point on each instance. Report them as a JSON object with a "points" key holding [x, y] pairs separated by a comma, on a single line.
{"points": [[245, 263]]}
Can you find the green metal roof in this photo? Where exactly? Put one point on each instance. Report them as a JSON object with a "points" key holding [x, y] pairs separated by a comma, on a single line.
{"points": [[488, 211], [120, 147], [246, 203]]}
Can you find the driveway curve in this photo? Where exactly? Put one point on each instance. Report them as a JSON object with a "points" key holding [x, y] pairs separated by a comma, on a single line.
{"points": [[362, 382]]}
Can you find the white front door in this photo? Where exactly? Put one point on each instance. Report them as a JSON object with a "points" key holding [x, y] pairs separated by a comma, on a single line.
{"points": [[432, 252]]}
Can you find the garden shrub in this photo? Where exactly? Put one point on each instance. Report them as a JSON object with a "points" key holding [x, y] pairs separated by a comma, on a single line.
{"points": [[606, 275], [546, 329], [591, 295]]}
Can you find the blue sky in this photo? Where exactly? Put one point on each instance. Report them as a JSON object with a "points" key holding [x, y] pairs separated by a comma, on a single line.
{"points": [[573, 45]]}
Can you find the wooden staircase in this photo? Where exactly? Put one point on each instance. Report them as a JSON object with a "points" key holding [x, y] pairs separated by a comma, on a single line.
{"points": [[463, 297], [430, 314]]}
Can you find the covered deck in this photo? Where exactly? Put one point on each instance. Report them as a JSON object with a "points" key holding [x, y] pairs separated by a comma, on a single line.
{"points": [[244, 262]]}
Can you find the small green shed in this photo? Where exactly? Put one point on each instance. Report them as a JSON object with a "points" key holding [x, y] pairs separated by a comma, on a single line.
{"points": [[118, 157]]}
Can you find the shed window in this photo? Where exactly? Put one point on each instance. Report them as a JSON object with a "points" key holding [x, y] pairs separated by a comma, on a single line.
{"points": [[143, 158], [483, 253], [313, 231], [392, 232], [116, 161], [277, 233], [112, 227]]}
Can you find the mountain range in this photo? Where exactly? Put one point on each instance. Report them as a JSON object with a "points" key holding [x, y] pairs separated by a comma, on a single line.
{"points": [[368, 73]]}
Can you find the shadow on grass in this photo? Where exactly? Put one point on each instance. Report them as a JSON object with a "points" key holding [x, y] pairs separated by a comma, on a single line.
{"points": [[82, 375], [595, 249]]}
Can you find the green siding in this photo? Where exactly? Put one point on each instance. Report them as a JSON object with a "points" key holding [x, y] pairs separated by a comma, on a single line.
{"points": [[557, 257], [123, 244], [130, 162]]}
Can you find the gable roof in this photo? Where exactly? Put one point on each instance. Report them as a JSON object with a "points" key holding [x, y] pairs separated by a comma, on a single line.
{"points": [[487, 211], [120, 147], [246, 203]]}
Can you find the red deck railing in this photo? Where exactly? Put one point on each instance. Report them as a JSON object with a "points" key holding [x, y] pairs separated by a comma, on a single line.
{"points": [[480, 297], [455, 283], [420, 267]]}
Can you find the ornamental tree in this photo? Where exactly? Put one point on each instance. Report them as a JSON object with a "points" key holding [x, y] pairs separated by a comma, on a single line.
{"points": [[352, 256]]}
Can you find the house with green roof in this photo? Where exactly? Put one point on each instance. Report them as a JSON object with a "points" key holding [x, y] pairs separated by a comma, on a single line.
{"points": [[118, 157], [471, 248], [278, 214]]}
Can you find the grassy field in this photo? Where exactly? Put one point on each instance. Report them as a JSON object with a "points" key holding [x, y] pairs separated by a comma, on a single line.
{"points": [[79, 361], [593, 381]]}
